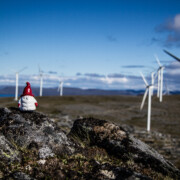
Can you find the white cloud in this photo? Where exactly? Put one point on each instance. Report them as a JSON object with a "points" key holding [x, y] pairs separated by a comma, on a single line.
{"points": [[173, 68], [110, 80], [176, 23], [116, 81]]}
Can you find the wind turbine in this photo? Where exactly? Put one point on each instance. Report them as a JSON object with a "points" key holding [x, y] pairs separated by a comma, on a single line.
{"points": [[152, 82], [149, 92], [160, 80], [41, 81], [60, 88], [178, 59], [17, 80]]}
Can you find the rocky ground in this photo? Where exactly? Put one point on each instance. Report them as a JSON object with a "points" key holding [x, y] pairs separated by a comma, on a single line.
{"points": [[33, 146], [165, 144]]}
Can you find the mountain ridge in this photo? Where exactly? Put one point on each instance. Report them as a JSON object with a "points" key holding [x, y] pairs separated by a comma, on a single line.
{"points": [[10, 90]]}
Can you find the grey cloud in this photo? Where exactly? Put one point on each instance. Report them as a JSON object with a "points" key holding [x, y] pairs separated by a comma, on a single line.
{"points": [[93, 75], [111, 38], [5, 53], [78, 74], [173, 66], [115, 75], [133, 66], [90, 75], [52, 72], [171, 32]]}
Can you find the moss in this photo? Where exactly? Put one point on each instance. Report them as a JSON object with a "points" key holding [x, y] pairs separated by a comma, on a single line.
{"points": [[6, 155]]}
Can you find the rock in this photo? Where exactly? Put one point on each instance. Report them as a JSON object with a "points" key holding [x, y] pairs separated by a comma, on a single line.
{"points": [[33, 130], [8, 152], [45, 152], [121, 145], [32, 146], [21, 176]]}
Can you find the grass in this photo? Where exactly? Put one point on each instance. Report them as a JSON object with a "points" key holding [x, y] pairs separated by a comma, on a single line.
{"points": [[119, 109]]}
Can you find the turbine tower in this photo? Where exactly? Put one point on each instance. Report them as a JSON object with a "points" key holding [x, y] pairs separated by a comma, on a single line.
{"points": [[160, 80], [60, 88], [41, 81], [149, 92], [17, 80], [152, 82]]}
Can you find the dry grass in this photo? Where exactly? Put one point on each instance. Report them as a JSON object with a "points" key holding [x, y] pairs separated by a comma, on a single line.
{"points": [[118, 109]]}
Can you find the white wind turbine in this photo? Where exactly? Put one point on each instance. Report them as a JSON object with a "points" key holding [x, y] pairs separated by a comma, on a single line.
{"points": [[17, 80], [152, 82], [149, 92], [160, 80], [41, 81], [60, 88]]}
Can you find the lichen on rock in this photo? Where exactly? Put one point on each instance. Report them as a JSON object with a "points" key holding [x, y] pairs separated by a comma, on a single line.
{"points": [[32, 146]]}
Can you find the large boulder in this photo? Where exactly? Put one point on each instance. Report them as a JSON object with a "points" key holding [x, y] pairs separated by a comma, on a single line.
{"points": [[26, 130], [32, 146], [8, 151], [117, 142]]}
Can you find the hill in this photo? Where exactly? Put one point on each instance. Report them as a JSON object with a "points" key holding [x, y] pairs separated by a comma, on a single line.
{"points": [[32, 146]]}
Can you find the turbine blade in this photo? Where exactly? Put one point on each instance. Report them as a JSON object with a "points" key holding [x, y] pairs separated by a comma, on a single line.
{"points": [[22, 69], [152, 77], [144, 98], [144, 79], [39, 70], [157, 59], [156, 75], [178, 59]]}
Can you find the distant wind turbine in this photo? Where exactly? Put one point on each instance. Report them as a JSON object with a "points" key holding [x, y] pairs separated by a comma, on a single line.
{"points": [[17, 80], [60, 88], [160, 79], [149, 92], [178, 59], [152, 82], [41, 81]]}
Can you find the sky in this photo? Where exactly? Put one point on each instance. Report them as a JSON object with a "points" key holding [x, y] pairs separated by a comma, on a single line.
{"points": [[89, 43]]}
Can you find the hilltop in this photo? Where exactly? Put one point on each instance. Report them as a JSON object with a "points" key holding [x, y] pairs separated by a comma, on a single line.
{"points": [[121, 110], [33, 146]]}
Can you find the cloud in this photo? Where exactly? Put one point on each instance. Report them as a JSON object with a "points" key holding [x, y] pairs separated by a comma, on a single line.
{"points": [[171, 32], [172, 76], [5, 53], [173, 69], [133, 66], [111, 38], [93, 75], [98, 81], [115, 75], [52, 72], [79, 74], [90, 75]]}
